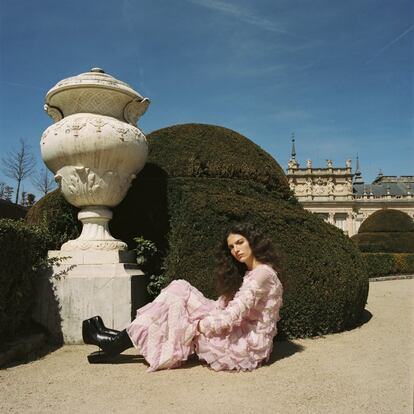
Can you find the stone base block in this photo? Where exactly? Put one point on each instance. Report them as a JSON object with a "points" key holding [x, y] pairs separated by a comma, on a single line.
{"points": [[84, 284]]}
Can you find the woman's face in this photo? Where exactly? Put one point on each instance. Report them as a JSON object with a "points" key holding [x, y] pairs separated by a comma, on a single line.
{"points": [[239, 248]]}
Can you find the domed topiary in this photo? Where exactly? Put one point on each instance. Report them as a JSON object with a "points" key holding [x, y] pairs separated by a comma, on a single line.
{"points": [[386, 220], [386, 231], [209, 151], [200, 178]]}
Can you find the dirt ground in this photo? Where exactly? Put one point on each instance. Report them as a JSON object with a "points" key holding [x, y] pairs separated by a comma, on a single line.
{"points": [[366, 370]]}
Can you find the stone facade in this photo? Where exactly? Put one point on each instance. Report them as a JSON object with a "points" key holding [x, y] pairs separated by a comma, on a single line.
{"points": [[341, 197]]}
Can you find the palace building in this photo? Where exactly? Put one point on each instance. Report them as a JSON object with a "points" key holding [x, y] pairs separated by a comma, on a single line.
{"points": [[341, 197]]}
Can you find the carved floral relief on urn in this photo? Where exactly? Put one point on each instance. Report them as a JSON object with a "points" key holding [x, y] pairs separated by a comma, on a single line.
{"points": [[94, 149]]}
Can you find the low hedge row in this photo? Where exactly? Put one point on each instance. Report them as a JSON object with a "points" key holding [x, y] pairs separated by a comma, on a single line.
{"points": [[23, 249], [385, 242], [384, 264]]}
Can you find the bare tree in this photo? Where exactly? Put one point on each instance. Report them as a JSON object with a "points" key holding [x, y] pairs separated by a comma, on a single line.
{"points": [[43, 181], [19, 164]]}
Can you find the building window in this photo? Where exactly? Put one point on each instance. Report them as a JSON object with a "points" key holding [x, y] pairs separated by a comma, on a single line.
{"points": [[340, 221]]}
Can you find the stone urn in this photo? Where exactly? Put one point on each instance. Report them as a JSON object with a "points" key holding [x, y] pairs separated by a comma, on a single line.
{"points": [[94, 149]]}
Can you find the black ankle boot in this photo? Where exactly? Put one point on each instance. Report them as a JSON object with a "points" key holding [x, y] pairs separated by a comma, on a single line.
{"points": [[120, 343], [97, 320], [111, 344], [99, 357]]}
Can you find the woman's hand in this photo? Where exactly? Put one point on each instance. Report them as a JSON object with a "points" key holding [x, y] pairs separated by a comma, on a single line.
{"points": [[201, 327]]}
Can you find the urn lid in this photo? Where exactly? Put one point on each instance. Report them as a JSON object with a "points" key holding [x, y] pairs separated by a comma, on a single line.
{"points": [[95, 92]]}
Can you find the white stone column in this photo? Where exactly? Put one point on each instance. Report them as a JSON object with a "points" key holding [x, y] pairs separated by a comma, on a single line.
{"points": [[349, 224]]}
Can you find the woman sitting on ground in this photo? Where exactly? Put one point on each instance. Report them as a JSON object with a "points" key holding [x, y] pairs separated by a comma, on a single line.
{"points": [[233, 333]]}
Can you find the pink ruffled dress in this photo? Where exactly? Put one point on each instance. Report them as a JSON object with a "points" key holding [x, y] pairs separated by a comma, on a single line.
{"points": [[238, 335]]}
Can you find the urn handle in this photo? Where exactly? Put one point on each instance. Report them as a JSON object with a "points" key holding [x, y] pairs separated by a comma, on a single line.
{"points": [[135, 109], [53, 112]]}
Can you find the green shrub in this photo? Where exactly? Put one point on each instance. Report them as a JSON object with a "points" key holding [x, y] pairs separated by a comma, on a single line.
{"points": [[384, 264], [149, 260], [58, 216], [23, 249], [387, 220], [386, 231], [200, 178], [382, 242], [210, 151], [11, 210]]}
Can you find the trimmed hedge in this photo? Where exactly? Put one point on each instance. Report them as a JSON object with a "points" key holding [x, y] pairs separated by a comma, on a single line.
{"points": [[23, 249], [210, 151], [381, 242], [387, 220], [386, 231], [200, 178], [384, 264]]}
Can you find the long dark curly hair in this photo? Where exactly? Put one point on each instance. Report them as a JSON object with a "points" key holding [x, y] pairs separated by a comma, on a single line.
{"points": [[230, 272]]}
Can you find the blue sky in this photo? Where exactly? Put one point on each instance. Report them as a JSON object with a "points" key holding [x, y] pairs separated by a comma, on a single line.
{"points": [[339, 74]]}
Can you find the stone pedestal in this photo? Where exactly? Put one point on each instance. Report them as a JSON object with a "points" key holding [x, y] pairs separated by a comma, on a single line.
{"points": [[87, 283]]}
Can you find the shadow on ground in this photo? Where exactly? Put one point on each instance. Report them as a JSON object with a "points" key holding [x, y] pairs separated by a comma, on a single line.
{"points": [[284, 349], [24, 357], [365, 318]]}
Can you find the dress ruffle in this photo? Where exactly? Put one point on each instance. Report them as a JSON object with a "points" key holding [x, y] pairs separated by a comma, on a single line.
{"points": [[163, 330], [249, 343]]}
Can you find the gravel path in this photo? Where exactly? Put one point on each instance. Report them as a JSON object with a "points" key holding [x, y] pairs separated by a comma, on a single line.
{"points": [[366, 370]]}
